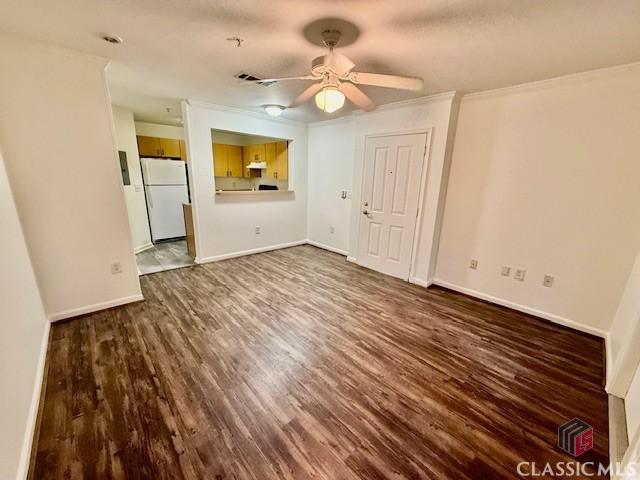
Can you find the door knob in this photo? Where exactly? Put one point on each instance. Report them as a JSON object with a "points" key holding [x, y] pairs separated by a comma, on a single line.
{"points": [[366, 212]]}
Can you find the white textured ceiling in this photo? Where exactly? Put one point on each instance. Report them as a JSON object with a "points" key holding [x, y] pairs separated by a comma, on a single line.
{"points": [[177, 49]]}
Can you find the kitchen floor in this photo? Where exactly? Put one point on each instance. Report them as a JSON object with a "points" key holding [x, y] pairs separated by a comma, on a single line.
{"points": [[164, 256]]}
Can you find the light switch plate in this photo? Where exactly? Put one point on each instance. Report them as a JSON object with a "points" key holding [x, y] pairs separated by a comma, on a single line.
{"points": [[520, 274], [505, 271]]}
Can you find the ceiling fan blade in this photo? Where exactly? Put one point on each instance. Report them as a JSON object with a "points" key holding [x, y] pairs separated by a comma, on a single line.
{"points": [[310, 91], [388, 81], [338, 63], [284, 79], [357, 96]]}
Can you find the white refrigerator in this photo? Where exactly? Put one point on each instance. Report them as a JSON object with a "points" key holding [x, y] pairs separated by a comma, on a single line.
{"points": [[165, 186]]}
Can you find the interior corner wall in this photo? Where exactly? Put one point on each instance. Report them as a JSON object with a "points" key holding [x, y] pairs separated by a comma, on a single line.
{"points": [[57, 134], [133, 193], [225, 226], [331, 151], [544, 177], [22, 343]]}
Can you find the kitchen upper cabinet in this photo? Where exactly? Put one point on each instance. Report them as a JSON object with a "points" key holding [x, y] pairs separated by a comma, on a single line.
{"points": [[282, 161], [227, 160], [170, 147], [234, 155], [270, 158], [232, 160], [220, 160], [256, 153], [246, 160], [158, 147], [276, 156], [148, 146]]}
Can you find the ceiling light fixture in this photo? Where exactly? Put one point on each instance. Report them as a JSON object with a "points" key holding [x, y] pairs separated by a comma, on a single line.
{"points": [[112, 39], [274, 110], [329, 99]]}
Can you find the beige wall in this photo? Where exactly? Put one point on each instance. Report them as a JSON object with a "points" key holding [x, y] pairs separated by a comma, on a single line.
{"points": [[134, 193], [545, 177], [56, 131], [225, 226], [22, 342], [331, 151], [156, 130]]}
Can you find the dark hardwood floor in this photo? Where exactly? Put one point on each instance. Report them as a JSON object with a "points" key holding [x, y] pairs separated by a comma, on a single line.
{"points": [[294, 364]]}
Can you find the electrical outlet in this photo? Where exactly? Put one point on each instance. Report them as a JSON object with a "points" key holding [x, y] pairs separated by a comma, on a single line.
{"points": [[349, 194], [332, 229], [505, 271], [548, 281], [257, 230], [116, 268], [137, 187], [473, 264], [520, 273]]}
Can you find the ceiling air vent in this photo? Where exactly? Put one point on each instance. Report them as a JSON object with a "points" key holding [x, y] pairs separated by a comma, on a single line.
{"points": [[252, 78]]}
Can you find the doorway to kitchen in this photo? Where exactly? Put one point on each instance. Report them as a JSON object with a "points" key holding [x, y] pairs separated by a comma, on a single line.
{"points": [[156, 188], [166, 189]]}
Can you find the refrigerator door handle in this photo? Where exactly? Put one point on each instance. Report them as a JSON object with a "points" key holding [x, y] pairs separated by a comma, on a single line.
{"points": [[149, 198]]}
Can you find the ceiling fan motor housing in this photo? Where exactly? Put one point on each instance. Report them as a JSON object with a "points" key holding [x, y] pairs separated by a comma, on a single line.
{"points": [[331, 38]]}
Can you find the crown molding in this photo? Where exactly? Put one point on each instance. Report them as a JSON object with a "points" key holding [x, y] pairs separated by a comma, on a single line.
{"points": [[564, 79], [332, 121], [241, 111]]}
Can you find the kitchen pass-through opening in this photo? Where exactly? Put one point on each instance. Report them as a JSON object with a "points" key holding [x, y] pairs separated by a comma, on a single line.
{"points": [[246, 163]]}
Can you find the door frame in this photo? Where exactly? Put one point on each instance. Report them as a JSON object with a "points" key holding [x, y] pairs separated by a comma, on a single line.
{"points": [[421, 195]]}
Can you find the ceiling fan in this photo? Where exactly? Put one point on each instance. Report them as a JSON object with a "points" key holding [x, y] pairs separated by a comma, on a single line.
{"points": [[337, 80]]}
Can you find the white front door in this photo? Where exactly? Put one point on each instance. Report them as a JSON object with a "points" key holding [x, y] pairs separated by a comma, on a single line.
{"points": [[390, 194]]}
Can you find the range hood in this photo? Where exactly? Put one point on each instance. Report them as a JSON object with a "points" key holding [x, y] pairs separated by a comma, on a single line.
{"points": [[257, 165]]}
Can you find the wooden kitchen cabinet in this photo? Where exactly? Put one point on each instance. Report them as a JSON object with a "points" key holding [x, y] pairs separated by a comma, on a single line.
{"points": [[169, 147], [276, 156], [148, 146], [270, 158], [256, 153], [227, 160], [282, 161], [246, 160], [220, 160], [158, 147], [234, 159]]}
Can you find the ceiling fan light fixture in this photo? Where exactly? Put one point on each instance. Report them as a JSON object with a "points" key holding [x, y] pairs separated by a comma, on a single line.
{"points": [[273, 110], [329, 99]]}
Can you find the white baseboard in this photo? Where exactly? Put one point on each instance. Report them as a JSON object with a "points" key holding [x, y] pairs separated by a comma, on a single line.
{"points": [[143, 247], [421, 282], [351, 259], [74, 312], [523, 308], [30, 431], [327, 247], [225, 256]]}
